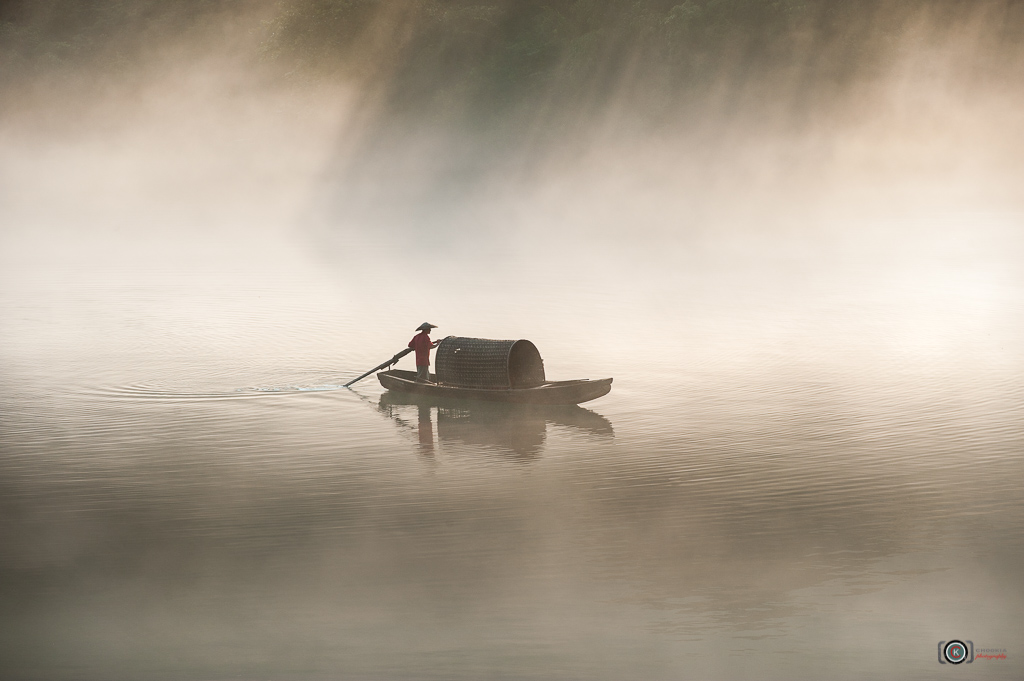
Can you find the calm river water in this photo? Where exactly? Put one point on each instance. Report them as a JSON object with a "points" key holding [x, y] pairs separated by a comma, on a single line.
{"points": [[810, 465]]}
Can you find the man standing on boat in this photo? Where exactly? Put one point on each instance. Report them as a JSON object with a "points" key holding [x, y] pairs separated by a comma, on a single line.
{"points": [[421, 343]]}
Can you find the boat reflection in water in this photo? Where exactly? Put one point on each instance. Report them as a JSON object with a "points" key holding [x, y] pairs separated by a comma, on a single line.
{"points": [[516, 429]]}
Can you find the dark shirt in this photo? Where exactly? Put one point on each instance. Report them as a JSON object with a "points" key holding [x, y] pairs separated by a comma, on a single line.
{"points": [[421, 343]]}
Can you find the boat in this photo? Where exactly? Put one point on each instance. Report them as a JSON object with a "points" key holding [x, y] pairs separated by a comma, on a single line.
{"points": [[495, 371], [550, 392]]}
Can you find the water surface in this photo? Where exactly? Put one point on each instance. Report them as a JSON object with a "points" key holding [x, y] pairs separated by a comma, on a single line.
{"points": [[809, 465], [783, 483]]}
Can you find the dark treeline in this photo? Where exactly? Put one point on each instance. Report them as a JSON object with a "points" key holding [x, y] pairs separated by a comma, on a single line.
{"points": [[448, 57], [507, 72], [520, 74], [439, 54], [436, 51], [451, 57]]}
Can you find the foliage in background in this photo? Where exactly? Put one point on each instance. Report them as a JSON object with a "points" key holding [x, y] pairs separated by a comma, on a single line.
{"points": [[469, 59], [511, 69], [473, 61]]}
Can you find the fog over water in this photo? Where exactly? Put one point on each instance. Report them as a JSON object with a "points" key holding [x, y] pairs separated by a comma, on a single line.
{"points": [[793, 236]]}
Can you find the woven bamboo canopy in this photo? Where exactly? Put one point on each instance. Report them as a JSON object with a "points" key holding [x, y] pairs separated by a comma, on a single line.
{"points": [[486, 363]]}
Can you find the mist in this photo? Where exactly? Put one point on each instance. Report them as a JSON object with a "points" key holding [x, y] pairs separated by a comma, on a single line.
{"points": [[790, 230]]}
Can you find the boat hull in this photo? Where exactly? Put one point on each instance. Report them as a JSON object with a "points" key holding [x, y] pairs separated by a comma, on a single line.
{"points": [[552, 392]]}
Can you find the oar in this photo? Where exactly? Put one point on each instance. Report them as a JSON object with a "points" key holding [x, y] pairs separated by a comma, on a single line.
{"points": [[393, 360]]}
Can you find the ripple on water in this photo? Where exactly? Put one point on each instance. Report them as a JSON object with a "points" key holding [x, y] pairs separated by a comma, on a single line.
{"points": [[143, 391]]}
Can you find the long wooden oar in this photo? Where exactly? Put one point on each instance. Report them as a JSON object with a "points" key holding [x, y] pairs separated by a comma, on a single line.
{"points": [[393, 360]]}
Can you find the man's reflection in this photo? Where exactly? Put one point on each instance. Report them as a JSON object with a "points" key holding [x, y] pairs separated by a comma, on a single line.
{"points": [[426, 430]]}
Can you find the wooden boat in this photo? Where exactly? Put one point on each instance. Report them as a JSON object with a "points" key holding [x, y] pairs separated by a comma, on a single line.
{"points": [[495, 371], [548, 392]]}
